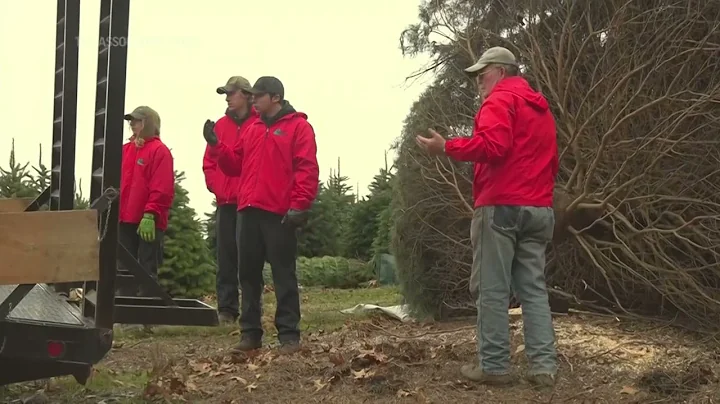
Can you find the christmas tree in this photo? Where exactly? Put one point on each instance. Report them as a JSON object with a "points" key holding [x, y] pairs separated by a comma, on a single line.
{"points": [[187, 270]]}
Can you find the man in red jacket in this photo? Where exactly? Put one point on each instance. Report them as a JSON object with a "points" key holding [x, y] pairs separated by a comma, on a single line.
{"points": [[147, 190], [238, 117], [514, 151], [277, 165]]}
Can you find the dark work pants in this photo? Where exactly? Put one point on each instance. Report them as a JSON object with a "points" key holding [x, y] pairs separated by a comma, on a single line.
{"points": [[227, 259], [262, 236], [150, 255]]}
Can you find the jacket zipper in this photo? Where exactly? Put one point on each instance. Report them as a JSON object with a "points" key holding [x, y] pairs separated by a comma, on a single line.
{"points": [[267, 132]]}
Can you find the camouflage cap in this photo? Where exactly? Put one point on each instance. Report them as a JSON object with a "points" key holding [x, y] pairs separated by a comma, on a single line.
{"points": [[235, 83], [495, 55], [147, 115]]}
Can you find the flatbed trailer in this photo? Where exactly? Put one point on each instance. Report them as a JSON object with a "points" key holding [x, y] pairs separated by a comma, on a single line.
{"points": [[45, 253]]}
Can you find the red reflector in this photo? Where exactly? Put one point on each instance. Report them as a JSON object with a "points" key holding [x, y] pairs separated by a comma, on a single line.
{"points": [[55, 349]]}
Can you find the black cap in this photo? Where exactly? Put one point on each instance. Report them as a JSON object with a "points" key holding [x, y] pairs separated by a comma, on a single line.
{"points": [[269, 85]]}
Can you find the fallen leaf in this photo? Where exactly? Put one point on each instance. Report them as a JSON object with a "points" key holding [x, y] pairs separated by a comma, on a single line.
{"points": [[629, 390], [252, 367], [239, 379], [319, 385], [177, 385], [373, 356], [403, 393], [520, 348], [251, 387], [362, 374], [152, 390], [336, 359], [200, 368]]}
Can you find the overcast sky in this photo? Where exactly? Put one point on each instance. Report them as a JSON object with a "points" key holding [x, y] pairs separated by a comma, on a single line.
{"points": [[339, 61]]}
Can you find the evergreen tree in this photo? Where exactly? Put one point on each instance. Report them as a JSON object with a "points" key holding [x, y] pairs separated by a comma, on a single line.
{"points": [[187, 270], [16, 181], [80, 201], [366, 219], [323, 234], [42, 174], [317, 237], [210, 224]]}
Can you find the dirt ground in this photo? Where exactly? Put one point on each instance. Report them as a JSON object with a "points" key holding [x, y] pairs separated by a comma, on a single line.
{"points": [[379, 360]]}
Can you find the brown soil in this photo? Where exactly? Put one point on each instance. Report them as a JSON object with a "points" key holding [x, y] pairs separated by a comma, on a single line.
{"points": [[603, 360]]}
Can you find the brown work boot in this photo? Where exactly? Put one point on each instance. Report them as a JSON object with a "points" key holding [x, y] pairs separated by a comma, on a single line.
{"points": [[289, 347], [543, 381], [247, 344], [475, 373]]}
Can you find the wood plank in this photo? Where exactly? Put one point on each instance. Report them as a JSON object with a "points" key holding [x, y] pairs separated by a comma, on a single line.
{"points": [[49, 247], [8, 205]]}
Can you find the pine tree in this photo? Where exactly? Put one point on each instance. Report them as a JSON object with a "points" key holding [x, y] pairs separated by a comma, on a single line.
{"points": [[80, 201], [323, 233], [16, 181], [370, 219], [316, 238], [187, 270], [210, 224], [19, 182]]}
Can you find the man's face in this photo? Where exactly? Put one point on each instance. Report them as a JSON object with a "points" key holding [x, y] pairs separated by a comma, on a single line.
{"points": [[263, 102], [136, 125], [488, 78], [236, 100]]}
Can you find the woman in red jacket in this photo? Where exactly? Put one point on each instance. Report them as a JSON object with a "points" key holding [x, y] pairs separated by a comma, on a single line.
{"points": [[147, 189]]}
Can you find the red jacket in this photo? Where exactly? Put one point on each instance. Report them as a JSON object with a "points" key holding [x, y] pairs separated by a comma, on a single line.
{"points": [[147, 182], [276, 162], [228, 131], [514, 147]]}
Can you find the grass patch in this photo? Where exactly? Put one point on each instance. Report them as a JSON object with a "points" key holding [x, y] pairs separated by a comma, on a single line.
{"points": [[320, 310], [321, 307], [119, 387]]}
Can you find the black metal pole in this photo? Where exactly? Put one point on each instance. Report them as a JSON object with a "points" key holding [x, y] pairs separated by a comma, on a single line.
{"points": [[69, 106], [62, 178], [110, 103]]}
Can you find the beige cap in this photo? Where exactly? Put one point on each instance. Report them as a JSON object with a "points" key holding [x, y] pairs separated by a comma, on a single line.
{"points": [[150, 118], [495, 55], [235, 83]]}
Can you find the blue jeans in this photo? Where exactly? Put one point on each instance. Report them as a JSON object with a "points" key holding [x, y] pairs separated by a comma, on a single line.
{"points": [[509, 245]]}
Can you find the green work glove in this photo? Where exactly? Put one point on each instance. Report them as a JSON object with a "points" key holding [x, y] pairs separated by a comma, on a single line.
{"points": [[146, 229]]}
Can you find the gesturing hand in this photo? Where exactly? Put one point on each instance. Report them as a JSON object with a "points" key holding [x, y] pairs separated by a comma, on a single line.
{"points": [[433, 145], [209, 133]]}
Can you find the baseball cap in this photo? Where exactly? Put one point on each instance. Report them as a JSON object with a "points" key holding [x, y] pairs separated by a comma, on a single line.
{"points": [[269, 85], [235, 83], [144, 113], [494, 55]]}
